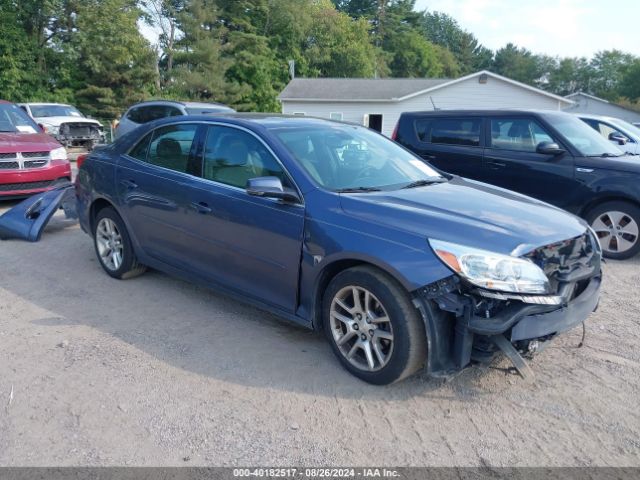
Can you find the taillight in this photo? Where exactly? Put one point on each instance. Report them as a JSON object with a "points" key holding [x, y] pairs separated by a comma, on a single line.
{"points": [[81, 158], [394, 135]]}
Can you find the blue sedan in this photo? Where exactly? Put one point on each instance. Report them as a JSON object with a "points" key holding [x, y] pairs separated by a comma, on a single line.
{"points": [[337, 228]]}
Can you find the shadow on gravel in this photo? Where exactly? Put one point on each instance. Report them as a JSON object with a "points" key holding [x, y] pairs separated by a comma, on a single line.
{"points": [[190, 327]]}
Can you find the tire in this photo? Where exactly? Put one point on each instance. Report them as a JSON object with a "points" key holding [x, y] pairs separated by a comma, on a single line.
{"points": [[617, 224], [393, 358], [110, 235]]}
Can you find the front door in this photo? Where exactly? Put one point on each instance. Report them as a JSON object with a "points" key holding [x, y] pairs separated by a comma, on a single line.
{"points": [[251, 244], [512, 162]]}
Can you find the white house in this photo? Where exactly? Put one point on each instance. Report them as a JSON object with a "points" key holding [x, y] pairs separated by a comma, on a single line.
{"points": [[584, 103], [378, 103]]}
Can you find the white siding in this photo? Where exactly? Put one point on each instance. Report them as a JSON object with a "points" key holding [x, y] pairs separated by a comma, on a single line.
{"points": [[595, 107], [468, 94]]}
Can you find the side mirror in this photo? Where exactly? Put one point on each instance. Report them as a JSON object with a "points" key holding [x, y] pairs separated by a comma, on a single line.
{"points": [[618, 138], [42, 129], [549, 148], [271, 187]]}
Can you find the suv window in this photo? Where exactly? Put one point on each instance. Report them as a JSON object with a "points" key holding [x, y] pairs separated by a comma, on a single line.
{"points": [[605, 129], [232, 157], [170, 147], [450, 131], [148, 113], [519, 134]]}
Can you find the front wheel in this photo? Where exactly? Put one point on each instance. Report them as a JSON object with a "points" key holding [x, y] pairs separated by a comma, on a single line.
{"points": [[373, 327], [617, 226]]}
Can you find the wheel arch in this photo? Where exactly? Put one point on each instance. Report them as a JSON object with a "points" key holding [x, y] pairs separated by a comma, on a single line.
{"points": [[584, 211], [337, 266], [96, 206]]}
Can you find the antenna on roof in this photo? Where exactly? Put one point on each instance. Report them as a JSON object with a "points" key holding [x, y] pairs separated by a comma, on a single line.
{"points": [[433, 103]]}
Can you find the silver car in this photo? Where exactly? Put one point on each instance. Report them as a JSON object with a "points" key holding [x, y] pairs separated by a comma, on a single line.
{"points": [[145, 112]]}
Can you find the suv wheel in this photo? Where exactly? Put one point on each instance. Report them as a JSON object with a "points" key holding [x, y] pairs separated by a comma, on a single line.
{"points": [[617, 226], [113, 246], [373, 327]]}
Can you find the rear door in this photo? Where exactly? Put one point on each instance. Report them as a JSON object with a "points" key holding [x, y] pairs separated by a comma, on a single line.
{"points": [[512, 162], [452, 144], [152, 183]]}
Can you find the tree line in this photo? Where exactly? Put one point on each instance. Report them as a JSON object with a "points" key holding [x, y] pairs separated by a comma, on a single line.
{"points": [[92, 53]]}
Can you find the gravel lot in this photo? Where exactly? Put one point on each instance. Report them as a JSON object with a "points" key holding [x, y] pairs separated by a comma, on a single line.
{"points": [[155, 371]]}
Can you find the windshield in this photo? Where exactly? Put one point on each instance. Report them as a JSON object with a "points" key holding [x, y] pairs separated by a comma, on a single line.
{"points": [[584, 138], [14, 119], [54, 111], [343, 157]]}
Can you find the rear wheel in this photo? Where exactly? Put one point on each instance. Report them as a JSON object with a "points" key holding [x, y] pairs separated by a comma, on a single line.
{"points": [[373, 327], [113, 246], [617, 225]]}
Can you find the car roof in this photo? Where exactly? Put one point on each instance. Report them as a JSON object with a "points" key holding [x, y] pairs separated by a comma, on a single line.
{"points": [[265, 120], [597, 117], [478, 112], [179, 102]]}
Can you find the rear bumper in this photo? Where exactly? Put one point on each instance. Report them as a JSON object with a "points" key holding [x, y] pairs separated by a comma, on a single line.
{"points": [[23, 183]]}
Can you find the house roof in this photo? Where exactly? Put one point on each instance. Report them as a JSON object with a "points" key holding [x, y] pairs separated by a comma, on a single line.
{"points": [[356, 89], [602, 100], [381, 89]]}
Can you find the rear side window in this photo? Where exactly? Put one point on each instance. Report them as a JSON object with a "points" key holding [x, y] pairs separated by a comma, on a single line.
{"points": [[149, 113], [170, 147], [449, 131], [518, 134]]}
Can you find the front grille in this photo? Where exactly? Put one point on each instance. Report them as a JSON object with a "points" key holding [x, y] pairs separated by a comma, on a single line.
{"points": [[569, 260], [35, 163], [35, 154], [9, 165], [79, 129], [8, 187], [7, 155]]}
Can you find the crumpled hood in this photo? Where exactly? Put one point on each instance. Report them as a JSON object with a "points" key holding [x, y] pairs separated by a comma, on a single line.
{"points": [[57, 121], [26, 142], [467, 212]]}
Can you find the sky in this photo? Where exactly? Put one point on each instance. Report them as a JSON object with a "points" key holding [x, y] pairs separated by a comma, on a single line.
{"points": [[567, 28]]}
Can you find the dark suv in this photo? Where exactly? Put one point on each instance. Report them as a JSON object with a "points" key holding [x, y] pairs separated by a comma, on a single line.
{"points": [[552, 156]]}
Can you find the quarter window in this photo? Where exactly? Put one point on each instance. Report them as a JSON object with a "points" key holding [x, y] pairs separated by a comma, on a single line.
{"points": [[139, 152], [519, 134], [450, 131], [170, 147], [232, 157]]}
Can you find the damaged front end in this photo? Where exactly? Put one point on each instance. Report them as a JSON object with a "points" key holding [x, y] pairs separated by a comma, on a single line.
{"points": [[27, 220], [468, 323]]}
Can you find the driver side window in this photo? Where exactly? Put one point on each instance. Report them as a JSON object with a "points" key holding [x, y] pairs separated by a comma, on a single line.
{"points": [[518, 134], [233, 156]]}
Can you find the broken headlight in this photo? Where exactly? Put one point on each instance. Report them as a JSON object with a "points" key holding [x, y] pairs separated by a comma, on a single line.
{"points": [[492, 270]]}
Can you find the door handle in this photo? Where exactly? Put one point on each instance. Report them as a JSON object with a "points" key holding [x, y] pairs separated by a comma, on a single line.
{"points": [[201, 207], [429, 157], [496, 165], [129, 184]]}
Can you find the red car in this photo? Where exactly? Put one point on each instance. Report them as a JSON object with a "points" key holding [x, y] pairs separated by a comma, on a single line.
{"points": [[30, 160]]}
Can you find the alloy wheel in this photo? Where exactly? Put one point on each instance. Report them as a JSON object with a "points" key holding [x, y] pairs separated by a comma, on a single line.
{"points": [[109, 242], [361, 328], [617, 231]]}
